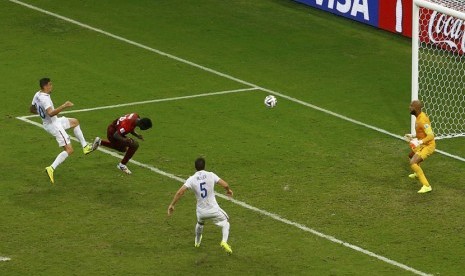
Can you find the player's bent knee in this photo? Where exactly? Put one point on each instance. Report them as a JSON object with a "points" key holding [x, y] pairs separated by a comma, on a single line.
{"points": [[416, 159], [222, 223], [134, 145], [69, 150], [73, 122]]}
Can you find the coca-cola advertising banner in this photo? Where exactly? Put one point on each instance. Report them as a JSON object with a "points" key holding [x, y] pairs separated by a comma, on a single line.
{"points": [[442, 30], [390, 15]]}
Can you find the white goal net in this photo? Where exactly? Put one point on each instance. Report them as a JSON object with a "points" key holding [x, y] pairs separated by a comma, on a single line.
{"points": [[438, 64]]}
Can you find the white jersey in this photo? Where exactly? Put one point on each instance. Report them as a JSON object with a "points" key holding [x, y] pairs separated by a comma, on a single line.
{"points": [[42, 101], [202, 183]]}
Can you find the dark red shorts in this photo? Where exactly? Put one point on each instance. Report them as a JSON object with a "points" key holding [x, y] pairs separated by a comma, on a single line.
{"points": [[115, 144]]}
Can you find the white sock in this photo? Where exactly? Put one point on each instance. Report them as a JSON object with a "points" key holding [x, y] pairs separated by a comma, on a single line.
{"points": [[225, 231], [60, 158], [198, 231], [78, 133]]}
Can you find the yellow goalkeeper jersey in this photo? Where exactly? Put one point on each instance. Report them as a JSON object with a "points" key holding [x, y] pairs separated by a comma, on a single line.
{"points": [[423, 129]]}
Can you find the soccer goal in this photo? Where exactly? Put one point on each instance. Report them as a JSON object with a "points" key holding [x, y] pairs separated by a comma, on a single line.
{"points": [[438, 64]]}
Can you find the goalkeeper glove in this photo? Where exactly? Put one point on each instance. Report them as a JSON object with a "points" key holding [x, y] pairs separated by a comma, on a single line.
{"points": [[409, 137], [415, 143]]}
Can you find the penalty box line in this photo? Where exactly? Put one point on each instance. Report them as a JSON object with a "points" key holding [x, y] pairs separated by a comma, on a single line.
{"points": [[260, 211], [151, 101]]}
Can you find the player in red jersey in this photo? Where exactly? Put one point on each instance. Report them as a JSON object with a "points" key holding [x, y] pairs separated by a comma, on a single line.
{"points": [[116, 134]]}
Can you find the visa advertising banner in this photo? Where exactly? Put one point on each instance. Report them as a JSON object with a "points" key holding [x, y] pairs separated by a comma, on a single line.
{"points": [[391, 15]]}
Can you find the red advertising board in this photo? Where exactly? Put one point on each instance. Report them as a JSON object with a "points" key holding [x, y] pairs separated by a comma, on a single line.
{"points": [[391, 15], [396, 16]]}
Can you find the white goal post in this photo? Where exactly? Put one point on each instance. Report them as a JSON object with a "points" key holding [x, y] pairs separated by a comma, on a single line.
{"points": [[438, 64]]}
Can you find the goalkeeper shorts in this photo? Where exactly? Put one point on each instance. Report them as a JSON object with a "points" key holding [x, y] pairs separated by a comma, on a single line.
{"points": [[425, 150]]}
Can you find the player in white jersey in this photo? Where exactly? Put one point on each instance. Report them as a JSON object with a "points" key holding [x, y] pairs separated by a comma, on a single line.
{"points": [[42, 104], [202, 184]]}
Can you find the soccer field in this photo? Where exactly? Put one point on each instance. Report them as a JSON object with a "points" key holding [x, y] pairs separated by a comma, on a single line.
{"points": [[320, 181]]}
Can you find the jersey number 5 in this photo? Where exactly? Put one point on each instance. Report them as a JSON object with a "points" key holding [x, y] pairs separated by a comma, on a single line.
{"points": [[203, 191]]}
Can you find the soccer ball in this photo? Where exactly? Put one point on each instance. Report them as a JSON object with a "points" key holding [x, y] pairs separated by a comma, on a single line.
{"points": [[270, 101]]}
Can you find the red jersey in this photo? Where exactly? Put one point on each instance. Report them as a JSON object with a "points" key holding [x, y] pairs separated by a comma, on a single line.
{"points": [[126, 124]]}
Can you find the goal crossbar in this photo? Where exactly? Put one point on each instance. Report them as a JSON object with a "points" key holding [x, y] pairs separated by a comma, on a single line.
{"points": [[439, 8]]}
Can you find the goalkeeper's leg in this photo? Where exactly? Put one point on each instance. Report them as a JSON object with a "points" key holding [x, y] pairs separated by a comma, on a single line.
{"points": [[420, 174], [413, 175]]}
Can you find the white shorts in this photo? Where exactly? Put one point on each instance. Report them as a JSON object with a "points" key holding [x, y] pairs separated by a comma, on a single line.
{"points": [[217, 215], [58, 130]]}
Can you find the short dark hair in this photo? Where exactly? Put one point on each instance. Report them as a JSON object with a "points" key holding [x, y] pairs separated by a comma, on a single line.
{"points": [[145, 123], [200, 164], [43, 82]]}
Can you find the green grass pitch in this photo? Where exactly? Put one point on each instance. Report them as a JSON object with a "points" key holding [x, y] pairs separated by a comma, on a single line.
{"points": [[307, 166]]}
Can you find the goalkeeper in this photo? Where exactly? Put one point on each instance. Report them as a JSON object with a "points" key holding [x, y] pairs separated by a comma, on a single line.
{"points": [[423, 144]]}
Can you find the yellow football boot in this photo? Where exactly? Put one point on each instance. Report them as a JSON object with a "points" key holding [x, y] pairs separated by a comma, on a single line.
{"points": [[226, 247], [425, 189], [91, 147], [49, 171], [197, 243]]}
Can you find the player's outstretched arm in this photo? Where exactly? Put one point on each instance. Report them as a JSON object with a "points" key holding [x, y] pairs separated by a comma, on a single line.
{"points": [[225, 185], [176, 198], [53, 112]]}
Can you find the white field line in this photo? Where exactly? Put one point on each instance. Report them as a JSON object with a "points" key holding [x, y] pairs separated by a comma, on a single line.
{"points": [[450, 155], [260, 211], [153, 101], [159, 52], [4, 259]]}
